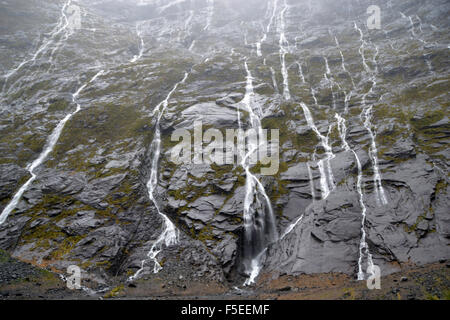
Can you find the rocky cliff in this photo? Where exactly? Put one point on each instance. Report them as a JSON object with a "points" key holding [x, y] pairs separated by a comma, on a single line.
{"points": [[88, 111]]}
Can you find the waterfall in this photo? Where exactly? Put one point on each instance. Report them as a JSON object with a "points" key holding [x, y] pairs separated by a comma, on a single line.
{"points": [[169, 235], [169, 5], [326, 180], [274, 80], [327, 77], [259, 220], [275, 7], [61, 26], [300, 72], [283, 51], [361, 48], [373, 151], [141, 44], [429, 65], [291, 227], [363, 247], [258, 49], [420, 23], [188, 21], [313, 94], [209, 13], [327, 68], [366, 118], [50, 145], [343, 62], [191, 47]]}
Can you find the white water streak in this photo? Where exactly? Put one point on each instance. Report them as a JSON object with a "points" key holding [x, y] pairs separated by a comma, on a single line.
{"points": [[274, 4], [169, 236], [284, 45], [191, 47], [361, 48], [169, 5], [209, 13], [329, 79], [326, 180], [61, 26], [373, 151], [274, 80], [253, 186], [291, 227], [300, 72], [313, 94], [363, 247], [141, 43], [343, 62], [366, 118], [50, 145]]}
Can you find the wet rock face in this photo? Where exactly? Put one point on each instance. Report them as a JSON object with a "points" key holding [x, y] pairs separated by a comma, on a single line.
{"points": [[374, 186]]}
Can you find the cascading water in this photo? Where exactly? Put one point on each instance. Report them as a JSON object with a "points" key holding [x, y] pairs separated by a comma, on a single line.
{"points": [[313, 94], [363, 247], [420, 23], [346, 94], [50, 145], [284, 44], [259, 220], [361, 48], [274, 5], [329, 79], [141, 43], [274, 80], [62, 25], [411, 24], [169, 235], [300, 72], [366, 118], [191, 47], [209, 14], [169, 5], [373, 151], [291, 227], [188, 21], [326, 174]]}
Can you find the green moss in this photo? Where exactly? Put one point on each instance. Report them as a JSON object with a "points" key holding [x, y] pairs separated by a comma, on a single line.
{"points": [[106, 264], [43, 236], [34, 142], [441, 187], [4, 256], [65, 247], [421, 93], [446, 294], [28, 92], [304, 143], [117, 127], [114, 292], [221, 171], [205, 234], [58, 105]]}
